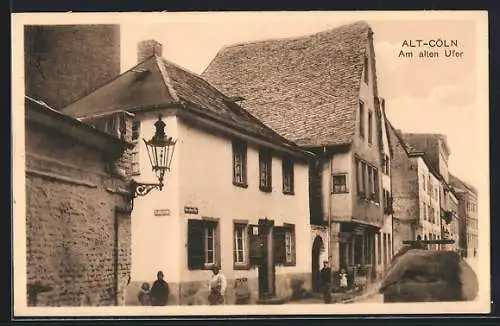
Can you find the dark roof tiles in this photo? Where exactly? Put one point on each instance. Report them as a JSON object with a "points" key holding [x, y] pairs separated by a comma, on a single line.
{"points": [[157, 82], [306, 88]]}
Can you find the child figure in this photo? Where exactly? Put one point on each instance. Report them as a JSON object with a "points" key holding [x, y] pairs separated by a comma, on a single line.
{"points": [[144, 295], [343, 280]]}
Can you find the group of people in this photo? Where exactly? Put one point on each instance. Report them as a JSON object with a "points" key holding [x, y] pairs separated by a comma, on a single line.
{"points": [[326, 281], [158, 294]]}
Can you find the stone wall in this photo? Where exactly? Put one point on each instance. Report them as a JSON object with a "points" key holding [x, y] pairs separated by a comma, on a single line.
{"points": [[405, 192], [78, 223], [66, 62]]}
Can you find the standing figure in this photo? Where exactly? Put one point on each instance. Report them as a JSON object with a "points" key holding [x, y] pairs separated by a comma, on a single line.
{"points": [[326, 281], [217, 287], [159, 291], [343, 280], [144, 295]]}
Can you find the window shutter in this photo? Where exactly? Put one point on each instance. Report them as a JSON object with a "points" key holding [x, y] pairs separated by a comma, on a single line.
{"points": [[196, 237], [279, 246], [254, 247]]}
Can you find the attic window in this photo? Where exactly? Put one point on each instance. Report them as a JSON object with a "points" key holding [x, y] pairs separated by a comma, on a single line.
{"points": [[140, 73], [366, 69]]}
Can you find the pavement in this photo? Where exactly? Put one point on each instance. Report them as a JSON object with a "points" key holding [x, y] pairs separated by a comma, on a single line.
{"points": [[344, 298]]}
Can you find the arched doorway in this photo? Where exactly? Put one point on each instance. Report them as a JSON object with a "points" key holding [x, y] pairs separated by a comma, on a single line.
{"points": [[317, 247]]}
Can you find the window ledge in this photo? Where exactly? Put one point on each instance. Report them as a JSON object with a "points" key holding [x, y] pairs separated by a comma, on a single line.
{"points": [[289, 193], [240, 184], [241, 267], [265, 189], [339, 192]]}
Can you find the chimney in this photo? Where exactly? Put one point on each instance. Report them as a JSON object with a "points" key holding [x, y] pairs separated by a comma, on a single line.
{"points": [[147, 48]]}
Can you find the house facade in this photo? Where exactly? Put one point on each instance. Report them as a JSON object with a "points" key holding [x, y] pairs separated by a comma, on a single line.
{"points": [[468, 221], [437, 153], [236, 194], [78, 228], [415, 189], [385, 237], [320, 91]]}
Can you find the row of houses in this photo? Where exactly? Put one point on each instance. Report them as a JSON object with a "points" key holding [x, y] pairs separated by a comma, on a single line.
{"points": [[284, 159]]}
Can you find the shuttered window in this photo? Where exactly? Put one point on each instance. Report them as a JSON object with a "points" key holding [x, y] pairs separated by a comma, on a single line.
{"points": [[284, 245], [254, 242], [203, 244]]}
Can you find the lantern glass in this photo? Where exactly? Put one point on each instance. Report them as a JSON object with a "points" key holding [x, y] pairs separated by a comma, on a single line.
{"points": [[160, 150]]}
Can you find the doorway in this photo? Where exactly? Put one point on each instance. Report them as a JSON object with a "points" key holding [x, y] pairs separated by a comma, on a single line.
{"points": [[317, 247]]}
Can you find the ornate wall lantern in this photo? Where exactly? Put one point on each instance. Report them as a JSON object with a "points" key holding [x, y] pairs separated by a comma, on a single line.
{"points": [[160, 152]]}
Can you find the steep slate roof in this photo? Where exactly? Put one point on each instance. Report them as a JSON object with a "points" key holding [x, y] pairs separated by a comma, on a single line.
{"points": [[399, 137], [305, 88], [462, 185], [423, 141], [156, 83]]}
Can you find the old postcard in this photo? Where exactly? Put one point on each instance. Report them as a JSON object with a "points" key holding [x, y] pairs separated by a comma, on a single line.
{"points": [[255, 163]]}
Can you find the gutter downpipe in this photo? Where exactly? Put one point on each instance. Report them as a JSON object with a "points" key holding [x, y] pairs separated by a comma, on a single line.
{"points": [[330, 188]]}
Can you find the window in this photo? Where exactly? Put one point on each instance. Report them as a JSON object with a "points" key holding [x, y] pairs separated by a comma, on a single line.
{"points": [[370, 182], [370, 127], [203, 244], [339, 183], [386, 165], [363, 179], [376, 191], [361, 119], [288, 176], [424, 210], [135, 161], [360, 187], [385, 248], [240, 249], [387, 202], [209, 244], [389, 246], [265, 167], [239, 164], [284, 245], [379, 248], [136, 127], [365, 74]]}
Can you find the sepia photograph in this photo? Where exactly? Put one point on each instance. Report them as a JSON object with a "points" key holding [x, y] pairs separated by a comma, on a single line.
{"points": [[250, 163]]}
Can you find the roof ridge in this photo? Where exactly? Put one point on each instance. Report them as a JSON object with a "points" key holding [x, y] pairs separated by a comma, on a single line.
{"points": [[278, 39], [166, 78]]}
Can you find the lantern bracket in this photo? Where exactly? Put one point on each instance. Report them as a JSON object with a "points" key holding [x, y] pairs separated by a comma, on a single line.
{"points": [[142, 189]]}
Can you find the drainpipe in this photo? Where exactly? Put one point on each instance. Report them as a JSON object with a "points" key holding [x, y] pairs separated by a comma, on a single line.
{"points": [[330, 188]]}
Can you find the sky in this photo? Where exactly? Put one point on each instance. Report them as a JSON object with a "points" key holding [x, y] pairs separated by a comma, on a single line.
{"points": [[436, 95]]}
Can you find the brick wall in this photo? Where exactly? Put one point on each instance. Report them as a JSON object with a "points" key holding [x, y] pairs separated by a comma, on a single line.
{"points": [[404, 185], [65, 62], [78, 226]]}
